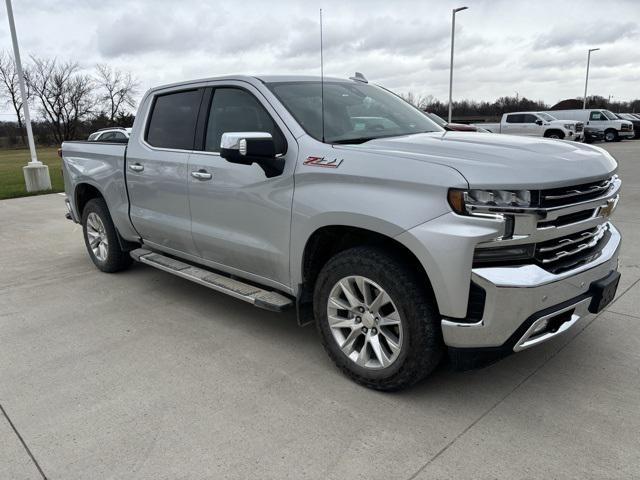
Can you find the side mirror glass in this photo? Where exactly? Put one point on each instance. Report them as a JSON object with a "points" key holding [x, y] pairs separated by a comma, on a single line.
{"points": [[246, 148]]}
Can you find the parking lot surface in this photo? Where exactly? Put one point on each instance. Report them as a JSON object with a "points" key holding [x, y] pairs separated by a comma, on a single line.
{"points": [[142, 375]]}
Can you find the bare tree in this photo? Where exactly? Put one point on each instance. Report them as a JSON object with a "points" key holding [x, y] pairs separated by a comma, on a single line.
{"points": [[417, 100], [10, 86], [64, 95], [117, 90]]}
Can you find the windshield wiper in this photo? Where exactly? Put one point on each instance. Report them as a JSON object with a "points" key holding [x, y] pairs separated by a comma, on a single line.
{"points": [[356, 140], [359, 140]]}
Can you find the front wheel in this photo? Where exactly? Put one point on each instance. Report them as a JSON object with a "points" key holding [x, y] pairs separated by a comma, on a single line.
{"points": [[101, 238], [377, 320], [610, 136]]}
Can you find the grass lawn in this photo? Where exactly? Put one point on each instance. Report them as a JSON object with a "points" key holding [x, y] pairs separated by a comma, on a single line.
{"points": [[12, 179]]}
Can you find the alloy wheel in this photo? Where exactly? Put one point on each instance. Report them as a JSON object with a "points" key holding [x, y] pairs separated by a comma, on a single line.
{"points": [[97, 237], [364, 322]]}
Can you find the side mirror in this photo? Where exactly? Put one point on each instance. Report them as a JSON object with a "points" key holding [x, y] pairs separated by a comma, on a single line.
{"points": [[246, 148], [538, 122]]}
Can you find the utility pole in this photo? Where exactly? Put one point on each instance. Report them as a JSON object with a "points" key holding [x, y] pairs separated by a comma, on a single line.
{"points": [[453, 35], [586, 81], [36, 174]]}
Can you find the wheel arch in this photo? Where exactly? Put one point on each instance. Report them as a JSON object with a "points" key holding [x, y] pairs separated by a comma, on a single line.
{"points": [[328, 240], [551, 131]]}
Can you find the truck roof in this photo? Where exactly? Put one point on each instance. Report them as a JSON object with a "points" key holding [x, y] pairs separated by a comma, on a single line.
{"points": [[256, 78]]}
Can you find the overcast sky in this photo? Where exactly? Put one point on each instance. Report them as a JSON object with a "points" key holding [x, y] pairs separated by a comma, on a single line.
{"points": [[536, 47]]}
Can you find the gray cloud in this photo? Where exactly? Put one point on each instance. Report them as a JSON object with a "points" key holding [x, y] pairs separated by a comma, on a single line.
{"points": [[538, 49]]}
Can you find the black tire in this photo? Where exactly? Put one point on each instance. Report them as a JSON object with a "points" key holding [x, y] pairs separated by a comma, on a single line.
{"points": [[422, 347], [611, 136], [116, 259], [554, 134]]}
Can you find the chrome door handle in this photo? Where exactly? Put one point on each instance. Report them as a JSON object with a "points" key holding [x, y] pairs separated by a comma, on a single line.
{"points": [[136, 167], [202, 175]]}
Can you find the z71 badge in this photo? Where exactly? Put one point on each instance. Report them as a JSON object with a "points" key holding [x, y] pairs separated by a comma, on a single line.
{"points": [[323, 162]]}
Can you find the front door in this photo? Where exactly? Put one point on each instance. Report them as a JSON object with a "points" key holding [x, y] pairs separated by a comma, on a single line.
{"points": [[240, 219], [157, 171]]}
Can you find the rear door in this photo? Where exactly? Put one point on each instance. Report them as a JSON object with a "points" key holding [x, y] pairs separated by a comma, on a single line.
{"points": [[157, 170], [241, 219], [513, 124]]}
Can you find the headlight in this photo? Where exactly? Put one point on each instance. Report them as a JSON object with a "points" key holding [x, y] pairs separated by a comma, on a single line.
{"points": [[568, 126], [464, 201]]}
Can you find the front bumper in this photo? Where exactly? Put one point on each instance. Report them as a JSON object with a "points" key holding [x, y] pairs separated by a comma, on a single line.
{"points": [[626, 134], [518, 296]]}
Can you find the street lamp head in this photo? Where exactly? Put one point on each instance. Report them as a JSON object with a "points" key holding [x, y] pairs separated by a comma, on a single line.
{"points": [[593, 49], [459, 9]]}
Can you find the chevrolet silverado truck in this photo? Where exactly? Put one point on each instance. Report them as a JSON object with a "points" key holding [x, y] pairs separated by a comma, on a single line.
{"points": [[536, 124], [401, 241]]}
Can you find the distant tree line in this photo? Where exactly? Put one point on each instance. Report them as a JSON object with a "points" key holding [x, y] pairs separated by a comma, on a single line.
{"points": [[67, 103], [471, 110]]}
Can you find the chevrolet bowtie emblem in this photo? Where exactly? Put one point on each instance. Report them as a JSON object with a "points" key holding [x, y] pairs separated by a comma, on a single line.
{"points": [[607, 209]]}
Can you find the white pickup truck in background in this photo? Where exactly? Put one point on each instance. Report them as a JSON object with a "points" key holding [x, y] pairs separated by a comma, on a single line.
{"points": [[536, 124]]}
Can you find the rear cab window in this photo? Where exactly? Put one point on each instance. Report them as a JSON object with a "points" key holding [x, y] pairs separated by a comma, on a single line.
{"points": [[173, 118]]}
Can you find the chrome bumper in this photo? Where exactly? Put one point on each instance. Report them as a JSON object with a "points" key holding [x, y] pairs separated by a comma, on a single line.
{"points": [[515, 294]]}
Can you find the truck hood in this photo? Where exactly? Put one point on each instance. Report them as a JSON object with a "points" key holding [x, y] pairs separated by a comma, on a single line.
{"points": [[489, 160]]}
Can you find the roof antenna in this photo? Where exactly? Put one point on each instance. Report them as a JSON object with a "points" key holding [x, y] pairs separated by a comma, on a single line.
{"points": [[321, 78]]}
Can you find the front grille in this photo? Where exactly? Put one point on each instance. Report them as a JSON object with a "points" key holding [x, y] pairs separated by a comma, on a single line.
{"points": [[567, 252], [626, 127], [568, 219], [574, 194], [579, 127]]}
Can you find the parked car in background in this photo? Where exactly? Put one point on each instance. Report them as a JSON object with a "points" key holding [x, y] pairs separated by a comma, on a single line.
{"points": [[614, 128], [593, 134], [536, 124], [456, 127], [111, 134], [398, 239], [633, 119]]}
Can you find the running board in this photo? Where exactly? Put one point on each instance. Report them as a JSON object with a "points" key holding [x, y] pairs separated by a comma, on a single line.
{"points": [[249, 293]]}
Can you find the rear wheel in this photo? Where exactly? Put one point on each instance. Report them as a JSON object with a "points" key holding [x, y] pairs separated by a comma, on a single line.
{"points": [[101, 238], [376, 319]]}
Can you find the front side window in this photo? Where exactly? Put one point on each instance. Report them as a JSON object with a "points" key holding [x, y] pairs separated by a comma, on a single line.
{"points": [[528, 118], [173, 120], [119, 136], [546, 117], [597, 116], [236, 110], [353, 112], [107, 136]]}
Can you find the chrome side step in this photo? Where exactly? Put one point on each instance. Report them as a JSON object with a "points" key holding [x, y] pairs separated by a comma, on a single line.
{"points": [[249, 293]]}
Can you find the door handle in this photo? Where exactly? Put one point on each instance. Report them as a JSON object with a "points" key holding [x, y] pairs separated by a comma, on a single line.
{"points": [[202, 175], [136, 167]]}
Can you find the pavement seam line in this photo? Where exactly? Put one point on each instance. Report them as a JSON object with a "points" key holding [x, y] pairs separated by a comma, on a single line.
{"points": [[518, 385], [24, 444]]}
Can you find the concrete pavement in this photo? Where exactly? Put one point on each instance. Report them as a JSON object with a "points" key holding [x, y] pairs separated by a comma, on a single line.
{"points": [[142, 375]]}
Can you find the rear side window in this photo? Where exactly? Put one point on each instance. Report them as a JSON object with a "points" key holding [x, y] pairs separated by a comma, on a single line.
{"points": [[516, 118], [173, 120], [236, 110]]}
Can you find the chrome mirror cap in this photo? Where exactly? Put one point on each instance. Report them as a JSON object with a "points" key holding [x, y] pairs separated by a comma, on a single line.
{"points": [[238, 140]]}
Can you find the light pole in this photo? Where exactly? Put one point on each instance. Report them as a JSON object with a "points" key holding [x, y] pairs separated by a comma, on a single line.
{"points": [[36, 174], [586, 81], [453, 35]]}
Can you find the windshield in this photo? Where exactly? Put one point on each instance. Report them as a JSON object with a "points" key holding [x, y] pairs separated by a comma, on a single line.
{"points": [[609, 115], [546, 117], [353, 112]]}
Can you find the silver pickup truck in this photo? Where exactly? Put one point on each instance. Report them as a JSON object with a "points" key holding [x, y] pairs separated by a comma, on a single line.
{"points": [[401, 241]]}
